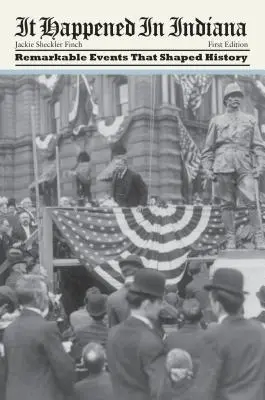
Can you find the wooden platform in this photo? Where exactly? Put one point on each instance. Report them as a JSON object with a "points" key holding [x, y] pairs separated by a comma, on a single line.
{"points": [[74, 262]]}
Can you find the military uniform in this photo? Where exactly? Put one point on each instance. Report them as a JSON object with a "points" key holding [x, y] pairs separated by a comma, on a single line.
{"points": [[234, 147]]}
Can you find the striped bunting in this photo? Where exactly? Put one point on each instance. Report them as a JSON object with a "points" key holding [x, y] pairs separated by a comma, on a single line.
{"points": [[162, 237]]}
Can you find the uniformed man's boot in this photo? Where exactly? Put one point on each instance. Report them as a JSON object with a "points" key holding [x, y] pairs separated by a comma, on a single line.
{"points": [[259, 240], [229, 223], [258, 233]]}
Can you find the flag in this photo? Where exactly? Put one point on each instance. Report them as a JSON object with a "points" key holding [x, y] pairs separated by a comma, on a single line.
{"points": [[193, 88], [91, 95], [49, 81], [100, 237], [163, 237], [190, 154], [114, 130]]}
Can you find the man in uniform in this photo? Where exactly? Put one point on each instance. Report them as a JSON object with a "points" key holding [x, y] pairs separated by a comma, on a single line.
{"points": [[234, 157]]}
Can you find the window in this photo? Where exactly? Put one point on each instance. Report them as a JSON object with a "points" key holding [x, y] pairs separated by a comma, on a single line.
{"points": [[178, 95], [122, 96], [56, 120]]}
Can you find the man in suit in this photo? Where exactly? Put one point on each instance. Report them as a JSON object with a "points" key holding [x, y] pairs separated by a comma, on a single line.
{"points": [[37, 366], [232, 363], [261, 296], [96, 329], [189, 336], [135, 349], [118, 308], [97, 385], [195, 288], [23, 229], [5, 239], [128, 187]]}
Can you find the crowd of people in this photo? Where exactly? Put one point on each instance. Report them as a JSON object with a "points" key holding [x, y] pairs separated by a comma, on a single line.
{"points": [[143, 341]]}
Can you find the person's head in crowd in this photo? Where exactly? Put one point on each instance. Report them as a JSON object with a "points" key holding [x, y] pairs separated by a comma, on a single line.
{"points": [[179, 366], [11, 206], [153, 201], [129, 266], [32, 292], [26, 203], [73, 202], [191, 311], [38, 269], [20, 267], [8, 300], [24, 218], [91, 290], [173, 299], [145, 295], [3, 205], [4, 226], [16, 261], [94, 357], [96, 305], [65, 202], [31, 261], [194, 267], [261, 296], [226, 292]]}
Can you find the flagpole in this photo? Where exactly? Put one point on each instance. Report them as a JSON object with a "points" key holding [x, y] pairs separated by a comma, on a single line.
{"points": [[151, 127], [36, 177], [58, 173]]}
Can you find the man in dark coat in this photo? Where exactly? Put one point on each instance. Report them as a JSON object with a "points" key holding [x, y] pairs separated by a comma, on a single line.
{"points": [[37, 366], [96, 330], [23, 229], [97, 385], [261, 296], [5, 244], [232, 363], [190, 336], [135, 350], [118, 308], [128, 187], [195, 288], [17, 266]]}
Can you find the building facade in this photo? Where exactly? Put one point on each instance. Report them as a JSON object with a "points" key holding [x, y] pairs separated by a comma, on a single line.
{"points": [[150, 105]]}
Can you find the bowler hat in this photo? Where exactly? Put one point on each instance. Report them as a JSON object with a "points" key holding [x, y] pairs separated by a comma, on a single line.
{"points": [[130, 265], [96, 304], [228, 279], [261, 294], [149, 281]]}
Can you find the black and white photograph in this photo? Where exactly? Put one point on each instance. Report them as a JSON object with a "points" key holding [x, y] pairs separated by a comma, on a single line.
{"points": [[132, 249]]}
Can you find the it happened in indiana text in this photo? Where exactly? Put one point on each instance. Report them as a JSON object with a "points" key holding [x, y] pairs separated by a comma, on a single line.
{"points": [[49, 27]]}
